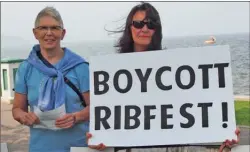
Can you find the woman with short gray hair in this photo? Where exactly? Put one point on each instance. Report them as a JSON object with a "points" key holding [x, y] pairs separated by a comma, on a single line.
{"points": [[52, 78]]}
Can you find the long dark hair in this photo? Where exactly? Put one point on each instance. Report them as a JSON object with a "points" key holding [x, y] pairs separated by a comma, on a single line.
{"points": [[126, 44]]}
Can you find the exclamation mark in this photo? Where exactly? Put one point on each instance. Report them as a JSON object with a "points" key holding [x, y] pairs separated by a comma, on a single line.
{"points": [[224, 114]]}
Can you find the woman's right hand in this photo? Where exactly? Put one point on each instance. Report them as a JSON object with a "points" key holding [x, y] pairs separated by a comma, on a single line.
{"points": [[29, 118], [20, 111], [97, 147]]}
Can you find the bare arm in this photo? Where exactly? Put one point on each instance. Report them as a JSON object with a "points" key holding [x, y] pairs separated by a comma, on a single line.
{"points": [[20, 110], [83, 115], [20, 106]]}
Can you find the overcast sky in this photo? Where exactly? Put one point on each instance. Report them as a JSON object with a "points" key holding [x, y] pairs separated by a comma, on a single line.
{"points": [[86, 20]]}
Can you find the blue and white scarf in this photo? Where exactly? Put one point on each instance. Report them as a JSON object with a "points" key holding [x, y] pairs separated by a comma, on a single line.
{"points": [[52, 93]]}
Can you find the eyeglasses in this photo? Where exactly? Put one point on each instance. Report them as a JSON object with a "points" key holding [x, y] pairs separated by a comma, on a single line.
{"points": [[140, 24], [51, 28]]}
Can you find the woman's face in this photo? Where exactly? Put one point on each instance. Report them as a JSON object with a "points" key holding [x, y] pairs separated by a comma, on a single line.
{"points": [[49, 33], [142, 30]]}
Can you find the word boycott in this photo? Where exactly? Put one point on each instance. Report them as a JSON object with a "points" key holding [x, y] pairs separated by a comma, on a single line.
{"points": [[143, 78], [165, 115]]}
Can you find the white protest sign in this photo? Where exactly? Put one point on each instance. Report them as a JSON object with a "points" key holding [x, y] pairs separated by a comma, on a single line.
{"points": [[86, 149], [176, 96]]}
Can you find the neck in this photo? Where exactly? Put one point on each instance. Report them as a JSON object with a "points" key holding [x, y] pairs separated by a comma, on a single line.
{"points": [[139, 48], [52, 55]]}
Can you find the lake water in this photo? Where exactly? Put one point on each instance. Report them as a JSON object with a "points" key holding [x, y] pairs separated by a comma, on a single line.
{"points": [[239, 47]]}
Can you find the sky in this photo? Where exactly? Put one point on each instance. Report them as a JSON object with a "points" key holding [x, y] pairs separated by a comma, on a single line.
{"points": [[86, 20]]}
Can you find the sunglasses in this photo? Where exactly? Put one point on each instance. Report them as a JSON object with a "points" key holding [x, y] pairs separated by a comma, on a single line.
{"points": [[140, 24]]}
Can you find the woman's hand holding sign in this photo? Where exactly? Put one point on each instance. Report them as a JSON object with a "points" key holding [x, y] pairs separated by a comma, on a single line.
{"points": [[227, 143], [230, 143], [97, 147]]}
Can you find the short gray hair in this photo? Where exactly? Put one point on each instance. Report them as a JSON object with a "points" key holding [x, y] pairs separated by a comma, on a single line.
{"points": [[49, 11]]}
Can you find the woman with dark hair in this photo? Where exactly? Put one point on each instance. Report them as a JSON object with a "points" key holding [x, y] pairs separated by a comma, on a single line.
{"points": [[136, 36], [142, 32]]}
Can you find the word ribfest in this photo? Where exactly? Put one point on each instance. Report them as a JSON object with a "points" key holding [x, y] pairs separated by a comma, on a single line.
{"points": [[175, 96]]}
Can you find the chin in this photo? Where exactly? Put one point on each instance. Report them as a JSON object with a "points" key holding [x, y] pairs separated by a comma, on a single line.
{"points": [[49, 47], [144, 43]]}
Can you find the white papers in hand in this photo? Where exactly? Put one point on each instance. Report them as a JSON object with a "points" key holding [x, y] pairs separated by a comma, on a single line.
{"points": [[48, 118]]}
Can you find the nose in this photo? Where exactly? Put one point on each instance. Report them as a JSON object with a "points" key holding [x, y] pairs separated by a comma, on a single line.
{"points": [[145, 28], [49, 32]]}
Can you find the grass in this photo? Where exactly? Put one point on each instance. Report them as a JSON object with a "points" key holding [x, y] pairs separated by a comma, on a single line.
{"points": [[242, 111]]}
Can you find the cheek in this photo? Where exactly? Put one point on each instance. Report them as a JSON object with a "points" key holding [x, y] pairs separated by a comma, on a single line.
{"points": [[135, 33], [60, 36], [39, 35], [152, 32]]}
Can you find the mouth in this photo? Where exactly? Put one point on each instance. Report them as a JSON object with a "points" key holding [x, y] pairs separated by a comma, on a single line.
{"points": [[144, 36], [49, 40]]}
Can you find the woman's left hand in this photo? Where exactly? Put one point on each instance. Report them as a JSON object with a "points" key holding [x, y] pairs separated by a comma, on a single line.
{"points": [[230, 143], [67, 121]]}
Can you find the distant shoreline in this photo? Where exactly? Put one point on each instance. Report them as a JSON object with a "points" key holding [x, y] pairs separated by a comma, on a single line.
{"points": [[167, 37], [242, 97]]}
